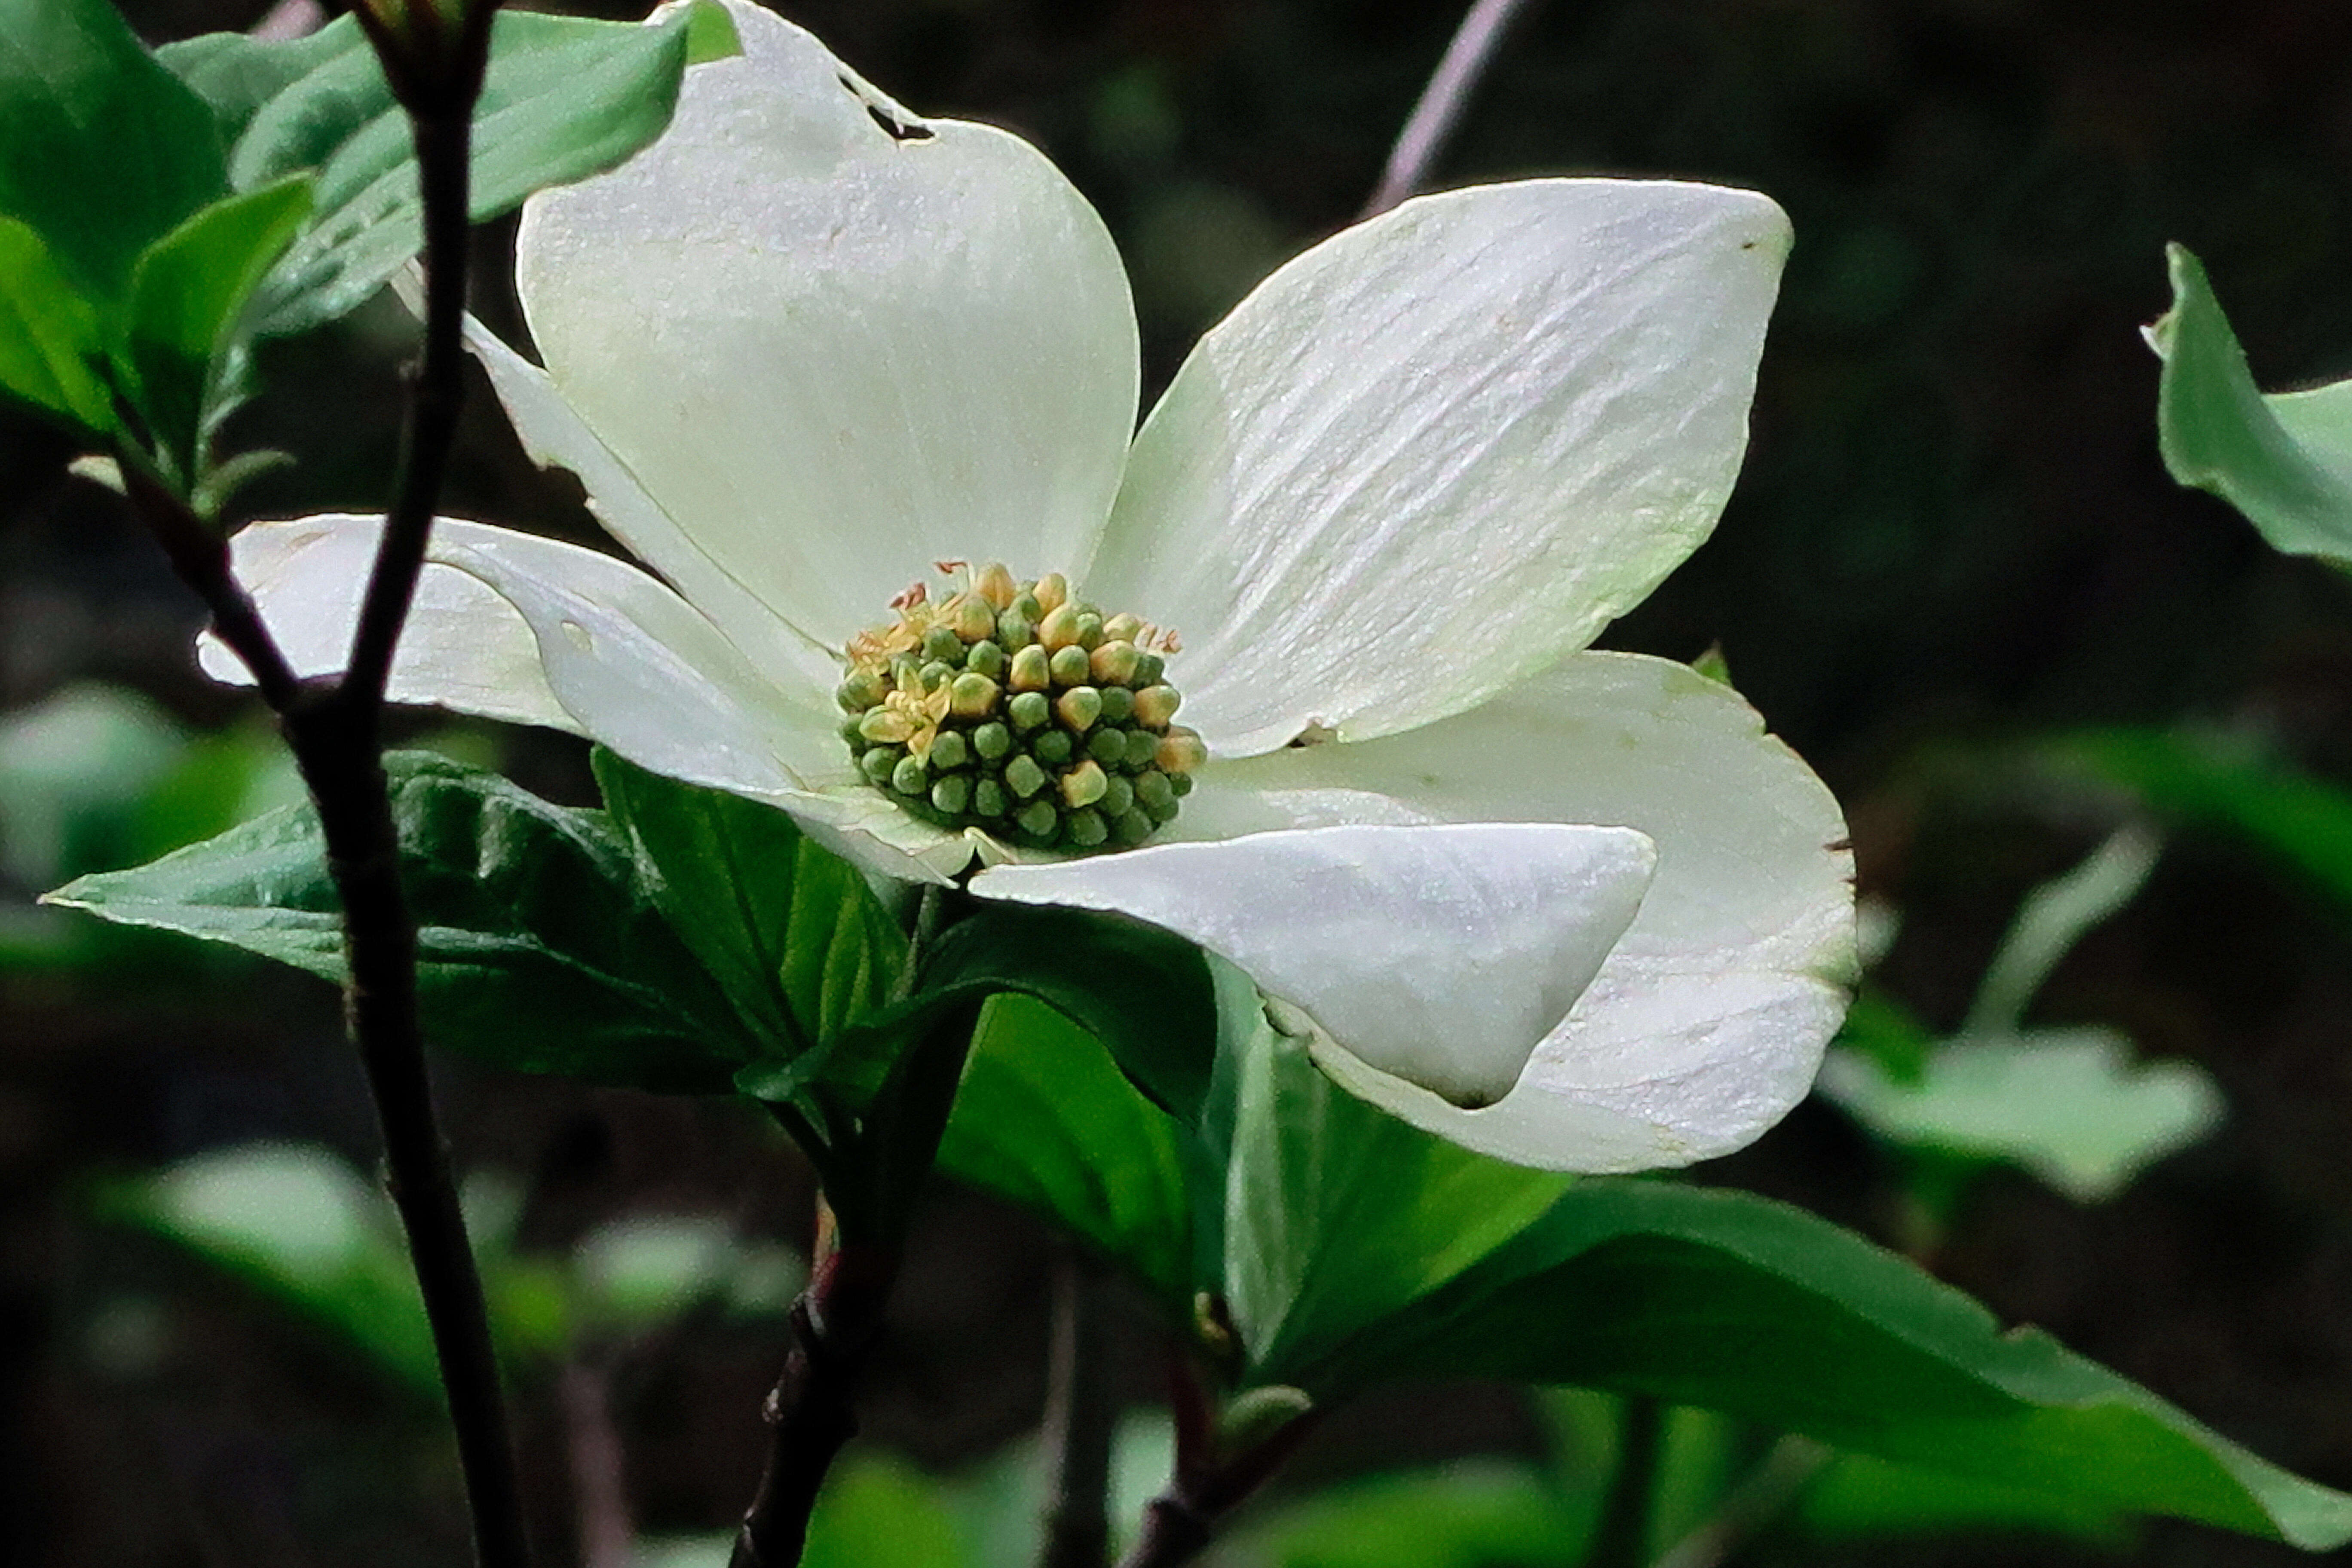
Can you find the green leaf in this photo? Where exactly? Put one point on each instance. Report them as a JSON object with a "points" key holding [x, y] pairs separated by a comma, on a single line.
{"points": [[1470, 1515], [188, 295], [300, 1226], [1337, 1213], [538, 951], [2073, 1106], [1146, 995], [1044, 1119], [101, 149], [2284, 460], [875, 1513], [2302, 822], [1856, 1497], [793, 935], [237, 73], [1733, 1303], [2054, 917], [564, 98], [49, 336]]}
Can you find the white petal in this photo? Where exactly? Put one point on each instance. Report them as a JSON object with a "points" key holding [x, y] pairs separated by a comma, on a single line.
{"points": [[1442, 953], [1707, 1020], [463, 647], [833, 352], [642, 671], [554, 435], [1437, 452]]}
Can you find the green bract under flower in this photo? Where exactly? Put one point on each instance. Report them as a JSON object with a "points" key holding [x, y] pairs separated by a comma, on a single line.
{"points": [[1018, 709]]}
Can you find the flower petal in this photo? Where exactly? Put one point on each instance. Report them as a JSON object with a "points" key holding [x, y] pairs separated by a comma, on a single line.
{"points": [[835, 342], [642, 671], [1706, 1022], [1442, 953], [554, 435], [463, 647], [1444, 449]]}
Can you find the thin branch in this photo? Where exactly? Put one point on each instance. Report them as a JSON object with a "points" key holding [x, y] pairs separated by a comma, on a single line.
{"points": [[809, 1413], [600, 1494], [1433, 117], [199, 555], [838, 1318], [1082, 1416], [1778, 1480], [1179, 1524], [1622, 1538], [337, 741]]}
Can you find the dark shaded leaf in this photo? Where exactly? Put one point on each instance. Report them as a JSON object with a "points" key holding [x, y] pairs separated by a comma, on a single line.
{"points": [[1733, 1303], [538, 951], [1044, 1119], [791, 933]]}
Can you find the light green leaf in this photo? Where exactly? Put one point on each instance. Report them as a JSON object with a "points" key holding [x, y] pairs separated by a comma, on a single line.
{"points": [[1337, 1213], [538, 951], [298, 1225], [1472, 1514], [2284, 460], [101, 149], [2076, 1106], [1045, 1117], [49, 336], [73, 770], [2053, 918], [875, 1513], [564, 98], [188, 296], [793, 935], [1730, 1302], [2302, 822]]}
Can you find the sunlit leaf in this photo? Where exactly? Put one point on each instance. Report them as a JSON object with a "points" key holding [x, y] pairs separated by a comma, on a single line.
{"points": [[793, 933], [49, 336], [1337, 1213], [564, 98], [102, 150], [188, 296]]}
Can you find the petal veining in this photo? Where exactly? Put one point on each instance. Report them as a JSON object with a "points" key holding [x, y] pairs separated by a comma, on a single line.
{"points": [[1707, 1020], [1442, 953], [835, 342], [1444, 449]]}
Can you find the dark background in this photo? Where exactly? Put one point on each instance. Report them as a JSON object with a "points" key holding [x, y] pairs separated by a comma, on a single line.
{"points": [[1953, 535]]}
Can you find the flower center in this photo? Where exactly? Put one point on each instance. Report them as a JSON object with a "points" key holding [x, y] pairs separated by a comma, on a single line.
{"points": [[1019, 709]]}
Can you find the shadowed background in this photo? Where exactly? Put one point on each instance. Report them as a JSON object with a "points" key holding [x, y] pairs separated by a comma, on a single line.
{"points": [[1953, 536]]}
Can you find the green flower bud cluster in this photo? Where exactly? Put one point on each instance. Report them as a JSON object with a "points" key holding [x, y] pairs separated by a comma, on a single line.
{"points": [[1017, 709]]}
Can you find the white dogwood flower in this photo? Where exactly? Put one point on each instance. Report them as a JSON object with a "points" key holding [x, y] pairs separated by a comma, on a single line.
{"points": [[1573, 908]]}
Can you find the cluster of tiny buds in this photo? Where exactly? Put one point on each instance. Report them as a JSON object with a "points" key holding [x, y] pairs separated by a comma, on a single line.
{"points": [[1019, 709]]}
